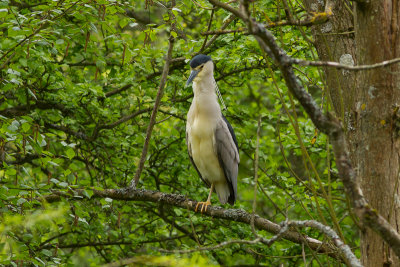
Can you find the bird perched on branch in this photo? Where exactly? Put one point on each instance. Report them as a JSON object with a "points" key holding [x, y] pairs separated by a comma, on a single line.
{"points": [[210, 139]]}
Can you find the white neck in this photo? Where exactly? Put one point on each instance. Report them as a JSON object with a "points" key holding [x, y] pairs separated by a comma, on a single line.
{"points": [[205, 85], [205, 97]]}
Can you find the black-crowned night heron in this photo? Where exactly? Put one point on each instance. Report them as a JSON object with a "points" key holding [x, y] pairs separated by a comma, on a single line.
{"points": [[210, 139]]}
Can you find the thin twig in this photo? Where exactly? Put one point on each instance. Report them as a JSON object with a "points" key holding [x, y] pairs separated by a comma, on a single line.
{"points": [[208, 28], [345, 249], [42, 26], [226, 24], [160, 92], [219, 32], [256, 177], [219, 246], [203, 7], [341, 66]]}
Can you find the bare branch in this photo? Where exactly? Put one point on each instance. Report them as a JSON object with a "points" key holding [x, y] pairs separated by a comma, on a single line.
{"points": [[220, 32], [345, 249], [180, 201], [224, 26], [254, 67], [40, 104], [160, 92], [79, 135], [208, 28], [346, 67], [118, 122], [256, 157], [105, 243], [96, 131], [315, 18], [221, 245], [118, 90]]}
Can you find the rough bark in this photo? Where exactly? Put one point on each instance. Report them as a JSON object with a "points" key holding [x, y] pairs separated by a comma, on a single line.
{"points": [[237, 215], [335, 41], [366, 102], [375, 144], [371, 218]]}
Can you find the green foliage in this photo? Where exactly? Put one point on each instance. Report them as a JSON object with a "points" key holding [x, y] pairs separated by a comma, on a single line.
{"points": [[78, 80]]}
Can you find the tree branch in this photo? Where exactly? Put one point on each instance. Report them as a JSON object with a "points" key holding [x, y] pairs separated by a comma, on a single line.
{"points": [[316, 18], [108, 243], [342, 66], [23, 109], [237, 215], [118, 122], [325, 123], [345, 249], [160, 92], [118, 90]]}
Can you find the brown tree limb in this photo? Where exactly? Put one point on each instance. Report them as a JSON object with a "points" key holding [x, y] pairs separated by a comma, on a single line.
{"points": [[351, 259], [96, 131], [316, 18], [118, 90], [212, 40], [118, 122], [325, 123], [108, 243], [23, 109], [254, 67], [208, 28], [180, 201], [65, 129], [160, 92], [345, 249], [342, 66], [220, 32]]}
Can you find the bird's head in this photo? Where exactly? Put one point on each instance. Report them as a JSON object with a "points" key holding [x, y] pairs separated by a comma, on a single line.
{"points": [[200, 66]]}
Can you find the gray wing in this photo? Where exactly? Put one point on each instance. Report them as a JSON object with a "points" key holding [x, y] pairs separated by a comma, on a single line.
{"points": [[189, 147], [228, 155]]}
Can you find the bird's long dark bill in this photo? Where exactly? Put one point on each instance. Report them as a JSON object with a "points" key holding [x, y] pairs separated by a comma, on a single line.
{"points": [[193, 75]]}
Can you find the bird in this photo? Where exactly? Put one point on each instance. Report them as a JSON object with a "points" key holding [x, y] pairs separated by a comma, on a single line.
{"points": [[211, 141]]}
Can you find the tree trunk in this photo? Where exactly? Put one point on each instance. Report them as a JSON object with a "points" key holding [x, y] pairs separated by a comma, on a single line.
{"points": [[366, 102]]}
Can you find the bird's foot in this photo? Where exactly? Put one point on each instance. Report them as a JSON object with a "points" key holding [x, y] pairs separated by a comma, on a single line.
{"points": [[204, 206]]}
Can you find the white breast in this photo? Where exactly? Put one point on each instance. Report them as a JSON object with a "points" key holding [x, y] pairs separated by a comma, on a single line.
{"points": [[202, 119], [201, 127]]}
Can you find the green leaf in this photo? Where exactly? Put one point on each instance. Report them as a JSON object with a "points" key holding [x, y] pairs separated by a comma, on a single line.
{"points": [[3, 12], [54, 180], [123, 22], [11, 172], [88, 193], [26, 127], [21, 201], [70, 153], [63, 184]]}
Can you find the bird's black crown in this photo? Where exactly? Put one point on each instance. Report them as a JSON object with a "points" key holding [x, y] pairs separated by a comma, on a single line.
{"points": [[198, 60]]}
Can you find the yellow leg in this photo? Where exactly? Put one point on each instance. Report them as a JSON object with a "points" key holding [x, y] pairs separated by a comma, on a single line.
{"points": [[204, 205]]}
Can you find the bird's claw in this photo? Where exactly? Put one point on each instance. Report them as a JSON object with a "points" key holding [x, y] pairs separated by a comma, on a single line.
{"points": [[204, 206]]}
